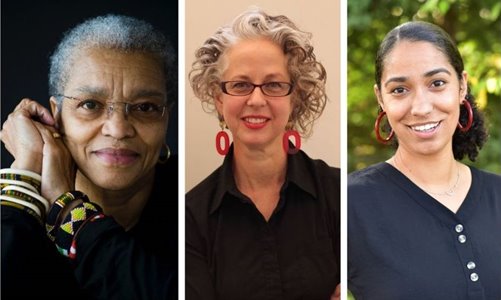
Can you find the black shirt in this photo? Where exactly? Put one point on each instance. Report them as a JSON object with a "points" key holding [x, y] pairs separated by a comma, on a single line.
{"points": [[110, 264], [403, 244], [232, 252]]}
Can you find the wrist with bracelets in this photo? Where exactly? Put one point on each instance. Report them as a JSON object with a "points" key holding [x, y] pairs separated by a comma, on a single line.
{"points": [[21, 189], [63, 230]]}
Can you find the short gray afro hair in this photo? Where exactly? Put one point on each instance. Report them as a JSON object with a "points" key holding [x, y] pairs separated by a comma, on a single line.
{"points": [[115, 32]]}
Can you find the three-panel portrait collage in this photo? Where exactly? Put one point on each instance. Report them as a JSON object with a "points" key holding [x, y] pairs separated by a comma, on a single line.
{"points": [[251, 149]]}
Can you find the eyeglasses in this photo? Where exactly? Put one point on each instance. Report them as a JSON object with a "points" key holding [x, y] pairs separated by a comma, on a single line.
{"points": [[244, 88], [92, 109]]}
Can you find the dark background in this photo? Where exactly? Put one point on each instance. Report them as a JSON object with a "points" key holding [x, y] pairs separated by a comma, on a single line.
{"points": [[30, 31]]}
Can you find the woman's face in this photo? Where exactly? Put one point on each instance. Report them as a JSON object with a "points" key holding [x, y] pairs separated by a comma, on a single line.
{"points": [[256, 121], [421, 94], [113, 151]]}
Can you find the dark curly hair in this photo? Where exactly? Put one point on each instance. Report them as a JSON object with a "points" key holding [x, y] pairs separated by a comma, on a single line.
{"points": [[463, 143]]}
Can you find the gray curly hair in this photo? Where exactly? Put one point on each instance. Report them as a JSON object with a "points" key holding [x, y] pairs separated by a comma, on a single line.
{"points": [[116, 32], [307, 74]]}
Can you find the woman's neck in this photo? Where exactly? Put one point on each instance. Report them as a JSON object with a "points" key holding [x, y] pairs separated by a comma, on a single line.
{"points": [[255, 169], [440, 176], [431, 170], [124, 205], [260, 174]]}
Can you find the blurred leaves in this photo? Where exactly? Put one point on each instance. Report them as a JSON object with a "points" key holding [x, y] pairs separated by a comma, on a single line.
{"points": [[476, 27]]}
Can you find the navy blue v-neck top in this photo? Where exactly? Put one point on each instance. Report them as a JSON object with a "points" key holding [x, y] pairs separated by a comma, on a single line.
{"points": [[404, 244]]}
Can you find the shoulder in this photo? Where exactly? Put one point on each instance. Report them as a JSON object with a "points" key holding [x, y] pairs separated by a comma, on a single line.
{"points": [[200, 197], [320, 168], [372, 185], [489, 181], [366, 177], [487, 176], [318, 178]]}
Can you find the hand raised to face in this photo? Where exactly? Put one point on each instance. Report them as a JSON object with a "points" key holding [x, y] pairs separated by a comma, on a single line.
{"points": [[21, 136]]}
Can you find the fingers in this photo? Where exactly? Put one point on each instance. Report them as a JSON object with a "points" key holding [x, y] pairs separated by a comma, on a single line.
{"points": [[58, 169], [49, 134], [34, 110]]}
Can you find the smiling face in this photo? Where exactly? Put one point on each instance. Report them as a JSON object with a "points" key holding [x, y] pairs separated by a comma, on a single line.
{"points": [[421, 94], [256, 121], [114, 151]]}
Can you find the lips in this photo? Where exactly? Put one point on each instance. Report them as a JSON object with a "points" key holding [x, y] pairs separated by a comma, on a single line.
{"points": [[255, 122], [117, 156], [425, 127]]}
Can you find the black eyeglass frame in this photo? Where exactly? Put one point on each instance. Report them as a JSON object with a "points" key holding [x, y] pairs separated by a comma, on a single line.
{"points": [[260, 86]]}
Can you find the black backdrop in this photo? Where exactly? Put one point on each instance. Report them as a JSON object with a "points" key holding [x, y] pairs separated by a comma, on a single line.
{"points": [[30, 31]]}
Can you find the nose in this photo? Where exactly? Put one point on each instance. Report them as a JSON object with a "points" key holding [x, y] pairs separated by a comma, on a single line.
{"points": [[117, 124], [256, 98], [422, 103]]}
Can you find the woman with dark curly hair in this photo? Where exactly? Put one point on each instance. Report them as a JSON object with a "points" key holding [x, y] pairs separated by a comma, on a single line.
{"points": [[419, 223], [264, 225]]}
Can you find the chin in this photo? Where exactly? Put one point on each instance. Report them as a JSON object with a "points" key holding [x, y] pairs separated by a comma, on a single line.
{"points": [[113, 178], [430, 149], [113, 183]]}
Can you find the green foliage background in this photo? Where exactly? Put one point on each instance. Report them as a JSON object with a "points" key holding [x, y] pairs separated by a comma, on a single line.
{"points": [[476, 28]]}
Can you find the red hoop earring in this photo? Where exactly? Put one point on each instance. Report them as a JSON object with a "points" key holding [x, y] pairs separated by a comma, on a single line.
{"points": [[222, 135], [379, 138], [469, 111], [285, 141]]}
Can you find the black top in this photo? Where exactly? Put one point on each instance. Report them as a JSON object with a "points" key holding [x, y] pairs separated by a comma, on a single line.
{"points": [[111, 263], [233, 253], [403, 244]]}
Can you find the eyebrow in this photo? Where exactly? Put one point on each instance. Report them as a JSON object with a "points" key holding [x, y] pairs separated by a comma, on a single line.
{"points": [[95, 91], [436, 71], [267, 78], [147, 93], [102, 92], [427, 74], [396, 79]]}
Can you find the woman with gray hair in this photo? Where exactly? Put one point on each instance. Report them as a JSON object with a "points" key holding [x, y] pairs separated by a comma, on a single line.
{"points": [[90, 177], [264, 225]]}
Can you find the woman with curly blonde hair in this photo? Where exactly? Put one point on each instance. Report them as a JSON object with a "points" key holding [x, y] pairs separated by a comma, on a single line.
{"points": [[265, 224]]}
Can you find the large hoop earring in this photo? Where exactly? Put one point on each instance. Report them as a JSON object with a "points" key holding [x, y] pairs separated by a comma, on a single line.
{"points": [[285, 140], [469, 111], [166, 157], [222, 135], [376, 129]]}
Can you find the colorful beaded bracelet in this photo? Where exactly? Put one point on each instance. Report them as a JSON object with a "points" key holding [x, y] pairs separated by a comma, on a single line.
{"points": [[53, 217], [71, 225]]}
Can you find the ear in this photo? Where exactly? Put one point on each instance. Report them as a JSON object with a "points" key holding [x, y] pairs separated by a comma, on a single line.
{"points": [[377, 92], [55, 110], [219, 104], [463, 85]]}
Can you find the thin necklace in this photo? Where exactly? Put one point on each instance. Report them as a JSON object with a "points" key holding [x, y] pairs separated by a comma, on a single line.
{"points": [[450, 192]]}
